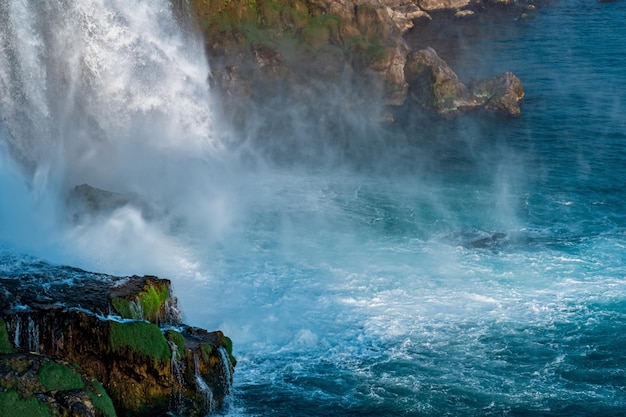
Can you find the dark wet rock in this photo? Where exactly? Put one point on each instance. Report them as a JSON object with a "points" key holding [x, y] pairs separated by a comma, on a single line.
{"points": [[476, 239], [489, 242], [124, 332], [85, 201]]}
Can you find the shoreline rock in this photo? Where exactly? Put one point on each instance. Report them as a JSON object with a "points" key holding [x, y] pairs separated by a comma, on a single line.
{"points": [[122, 332], [259, 48]]}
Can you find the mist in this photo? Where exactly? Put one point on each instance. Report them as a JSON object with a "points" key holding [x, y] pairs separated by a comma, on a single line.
{"points": [[238, 209]]}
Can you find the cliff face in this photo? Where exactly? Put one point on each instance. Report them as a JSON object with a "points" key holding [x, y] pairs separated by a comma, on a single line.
{"points": [[291, 45], [91, 329]]}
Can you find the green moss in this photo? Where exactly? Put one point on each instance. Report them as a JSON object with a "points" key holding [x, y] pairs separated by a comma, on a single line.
{"points": [[179, 341], [5, 345], [123, 308], [147, 304], [57, 377], [140, 338], [206, 350], [376, 52], [12, 405], [228, 345], [100, 399], [319, 31], [152, 299]]}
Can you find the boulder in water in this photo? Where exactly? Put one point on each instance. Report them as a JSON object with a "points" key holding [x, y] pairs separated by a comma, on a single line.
{"points": [[502, 93], [434, 84], [85, 201]]}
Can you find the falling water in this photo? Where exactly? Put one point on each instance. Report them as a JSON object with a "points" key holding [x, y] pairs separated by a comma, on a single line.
{"points": [[33, 335], [202, 386], [176, 369], [18, 327], [226, 371]]}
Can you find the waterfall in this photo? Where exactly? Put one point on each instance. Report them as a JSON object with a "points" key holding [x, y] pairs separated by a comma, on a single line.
{"points": [[33, 335], [84, 82], [18, 325], [202, 385], [176, 368], [226, 371], [114, 94]]}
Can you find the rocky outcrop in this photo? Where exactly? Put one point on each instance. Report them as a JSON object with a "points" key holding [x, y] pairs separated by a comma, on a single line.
{"points": [[434, 84], [502, 93], [437, 87], [124, 333], [295, 47]]}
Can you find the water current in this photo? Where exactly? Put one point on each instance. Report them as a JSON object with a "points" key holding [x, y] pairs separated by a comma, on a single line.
{"points": [[476, 270]]}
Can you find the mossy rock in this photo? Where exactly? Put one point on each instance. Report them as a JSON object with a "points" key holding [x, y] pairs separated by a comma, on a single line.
{"points": [[100, 398], [178, 339], [38, 386], [57, 377], [139, 338], [146, 304], [14, 405]]}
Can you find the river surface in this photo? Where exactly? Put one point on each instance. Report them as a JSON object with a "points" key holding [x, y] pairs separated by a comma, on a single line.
{"points": [[478, 269]]}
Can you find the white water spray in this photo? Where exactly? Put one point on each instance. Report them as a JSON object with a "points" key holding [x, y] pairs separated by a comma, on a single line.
{"points": [[113, 94]]}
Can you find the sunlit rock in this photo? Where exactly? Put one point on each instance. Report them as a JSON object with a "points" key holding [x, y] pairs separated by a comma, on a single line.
{"points": [[434, 84], [502, 93], [432, 5]]}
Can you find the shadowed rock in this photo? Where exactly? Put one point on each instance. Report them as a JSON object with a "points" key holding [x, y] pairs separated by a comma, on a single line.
{"points": [[85, 201]]}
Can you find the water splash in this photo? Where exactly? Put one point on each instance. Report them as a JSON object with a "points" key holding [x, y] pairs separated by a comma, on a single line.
{"points": [[90, 79], [114, 94]]}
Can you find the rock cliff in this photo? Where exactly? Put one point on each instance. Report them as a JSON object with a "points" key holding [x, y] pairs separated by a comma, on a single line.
{"points": [[74, 343], [289, 46]]}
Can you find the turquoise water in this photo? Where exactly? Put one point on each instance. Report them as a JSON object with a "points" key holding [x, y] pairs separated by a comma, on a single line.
{"points": [[472, 267], [380, 298]]}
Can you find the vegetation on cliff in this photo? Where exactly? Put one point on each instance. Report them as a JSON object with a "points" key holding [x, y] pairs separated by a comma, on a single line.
{"points": [[295, 46]]}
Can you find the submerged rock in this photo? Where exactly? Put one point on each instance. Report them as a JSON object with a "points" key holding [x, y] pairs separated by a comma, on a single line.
{"points": [[123, 332]]}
